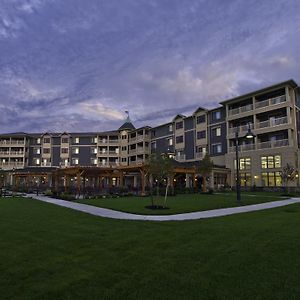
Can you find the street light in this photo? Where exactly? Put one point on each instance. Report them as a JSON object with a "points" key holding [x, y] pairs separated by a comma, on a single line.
{"points": [[249, 135]]}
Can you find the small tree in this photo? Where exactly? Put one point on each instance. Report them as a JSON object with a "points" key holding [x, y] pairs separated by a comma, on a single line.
{"points": [[161, 168], [288, 175], [205, 168]]}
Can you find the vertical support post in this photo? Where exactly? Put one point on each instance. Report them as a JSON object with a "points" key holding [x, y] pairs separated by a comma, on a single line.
{"points": [[142, 182], [238, 183]]}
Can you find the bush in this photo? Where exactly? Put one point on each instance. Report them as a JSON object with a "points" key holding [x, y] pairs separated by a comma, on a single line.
{"points": [[48, 193], [67, 196]]}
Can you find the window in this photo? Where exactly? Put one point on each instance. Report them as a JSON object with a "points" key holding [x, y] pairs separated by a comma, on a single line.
{"points": [[245, 163], [170, 142], [37, 161], [76, 150], [124, 137], [271, 179], [38, 140], [46, 140], [201, 150], [201, 134], [153, 145], [65, 150], [66, 162], [216, 115], [77, 140], [179, 125], [94, 150], [217, 148], [94, 140], [245, 179], [75, 161], [271, 162], [179, 139], [216, 131], [201, 119], [124, 159], [46, 150], [94, 161], [124, 148], [37, 151], [65, 140], [170, 127]]}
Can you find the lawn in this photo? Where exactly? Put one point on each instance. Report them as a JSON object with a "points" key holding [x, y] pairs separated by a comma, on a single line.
{"points": [[181, 203], [50, 252]]}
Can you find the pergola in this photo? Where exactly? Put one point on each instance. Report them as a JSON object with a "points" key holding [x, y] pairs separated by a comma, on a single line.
{"points": [[102, 177]]}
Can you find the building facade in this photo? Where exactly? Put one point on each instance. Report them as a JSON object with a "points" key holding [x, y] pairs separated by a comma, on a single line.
{"points": [[271, 113]]}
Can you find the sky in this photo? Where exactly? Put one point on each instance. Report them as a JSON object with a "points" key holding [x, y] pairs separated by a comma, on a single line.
{"points": [[78, 65]]}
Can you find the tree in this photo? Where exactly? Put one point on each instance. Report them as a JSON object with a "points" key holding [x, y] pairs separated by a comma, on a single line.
{"points": [[2, 180], [205, 168], [161, 168], [288, 174]]}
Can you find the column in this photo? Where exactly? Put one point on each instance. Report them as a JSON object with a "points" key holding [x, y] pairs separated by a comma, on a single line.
{"points": [[142, 182]]}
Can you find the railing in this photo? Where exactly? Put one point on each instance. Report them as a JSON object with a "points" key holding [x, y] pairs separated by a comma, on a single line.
{"points": [[239, 129], [11, 164], [137, 162], [242, 148], [108, 164], [241, 109], [132, 151], [113, 141], [114, 153], [200, 155], [12, 142], [272, 122], [140, 150], [19, 153], [273, 144], [271, 101], [180, 157], [6, 153]]}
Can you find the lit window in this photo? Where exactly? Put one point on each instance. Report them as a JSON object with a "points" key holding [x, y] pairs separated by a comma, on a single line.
{"points": [[37, 161], [46, 150], [216, 115], [217, 148], [38, 140], [170, 127], [75, 161], [76, 150], [77, 140], [170, 142], [217, 131], [271, 179], [38, 150], [271, 162]]}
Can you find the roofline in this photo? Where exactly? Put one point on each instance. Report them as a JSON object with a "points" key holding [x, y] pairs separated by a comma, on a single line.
{"points": [[290, 82]]}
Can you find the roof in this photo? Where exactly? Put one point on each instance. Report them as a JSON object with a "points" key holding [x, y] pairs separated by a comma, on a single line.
{"points": [[290, 82], [127, 125]]}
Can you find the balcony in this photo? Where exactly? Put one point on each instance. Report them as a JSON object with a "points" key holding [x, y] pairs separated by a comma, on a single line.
{"points": [[12, 142], [137, 162], [11, 165], [240, 129], [114, 153], [272, 122], [273, 144], [180, 157], [17, 153], [271, 101], [200, 155], [239, 110], [113, 141], [243, 148]]}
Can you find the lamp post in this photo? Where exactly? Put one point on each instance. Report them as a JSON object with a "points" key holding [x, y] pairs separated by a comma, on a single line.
{"points": [[249, 135]]}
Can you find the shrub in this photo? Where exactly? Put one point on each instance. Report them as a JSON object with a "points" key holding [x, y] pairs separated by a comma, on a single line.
{"points": [[48, 193]]}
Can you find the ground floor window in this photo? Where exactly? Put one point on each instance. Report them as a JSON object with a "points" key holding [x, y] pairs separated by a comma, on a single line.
{"points": [[245, 179], [220, 179], [271, 179]]}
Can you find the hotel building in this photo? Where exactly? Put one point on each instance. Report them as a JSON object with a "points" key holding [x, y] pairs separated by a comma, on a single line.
{"points": [[271, 113]]}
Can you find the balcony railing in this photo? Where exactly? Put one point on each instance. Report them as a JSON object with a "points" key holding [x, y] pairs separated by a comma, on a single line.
{"points": [[242, 109], [200, 155], [180, 157], [273, 144], [272, 122], [11, 164], [271, 101], [242, 148], [12, 142], [243, 128], [113, 141]]}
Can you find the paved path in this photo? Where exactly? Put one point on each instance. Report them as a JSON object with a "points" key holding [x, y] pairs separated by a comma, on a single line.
{"points": [[109, 213]]}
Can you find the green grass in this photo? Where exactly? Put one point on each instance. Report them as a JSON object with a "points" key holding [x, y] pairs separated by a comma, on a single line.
{"points": [[50, 252], [181, 203]]}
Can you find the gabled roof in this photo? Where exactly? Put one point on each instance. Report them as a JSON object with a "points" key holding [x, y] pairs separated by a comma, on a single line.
{"points": [[199, 109], [179, 116]]}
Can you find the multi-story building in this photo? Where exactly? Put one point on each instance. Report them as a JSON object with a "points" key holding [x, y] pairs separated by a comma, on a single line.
{"points": [[271, 113]]}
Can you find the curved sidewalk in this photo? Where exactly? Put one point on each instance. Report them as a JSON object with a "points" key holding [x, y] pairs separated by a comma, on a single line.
{"points": [[109, 213]]}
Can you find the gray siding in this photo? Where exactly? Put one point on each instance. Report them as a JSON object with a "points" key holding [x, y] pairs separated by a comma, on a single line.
{"points": [[189, 144], [161, 131], [189, 123], [218, 139], [55, 156], [85, 156]]}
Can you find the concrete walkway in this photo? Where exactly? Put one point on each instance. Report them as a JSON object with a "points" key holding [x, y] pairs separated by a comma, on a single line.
{"points": [[109, 213]]}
